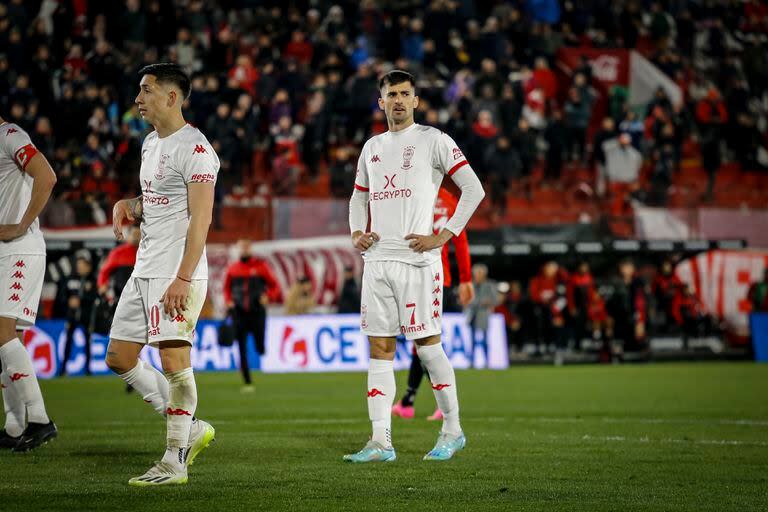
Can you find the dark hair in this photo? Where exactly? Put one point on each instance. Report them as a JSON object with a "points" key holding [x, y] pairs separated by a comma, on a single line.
{"points": [[396, 76], [168, 72]]}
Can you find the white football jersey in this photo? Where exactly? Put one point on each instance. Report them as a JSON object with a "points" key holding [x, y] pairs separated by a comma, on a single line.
{"points": [[167, 165], [16, 150], [402, 172]]}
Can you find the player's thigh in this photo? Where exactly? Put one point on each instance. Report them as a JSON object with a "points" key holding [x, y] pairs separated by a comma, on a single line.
{"points": [[175, 355], [419, 294], [129, 323], [21, 279], [181, 327], [378, 307]]}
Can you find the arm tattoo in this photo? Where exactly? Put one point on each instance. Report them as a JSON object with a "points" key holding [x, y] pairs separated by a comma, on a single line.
{"points": [[135, 205]]}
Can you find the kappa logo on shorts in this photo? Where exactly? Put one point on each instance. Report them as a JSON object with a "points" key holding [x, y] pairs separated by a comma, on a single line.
{"points": [[437, 277], [178, 318], [19, 264], [18, 376], [440, 387], [18, 275], [16, 286], [374, 393], [435, 314], [14, 297], [436, 290]]}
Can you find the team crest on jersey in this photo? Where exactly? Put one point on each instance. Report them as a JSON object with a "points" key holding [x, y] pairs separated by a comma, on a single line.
{"points": [[160, 171], [407, 157], [457, 154]]}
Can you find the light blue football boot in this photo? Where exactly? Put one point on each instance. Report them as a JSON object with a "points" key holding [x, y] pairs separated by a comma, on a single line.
{"points": [[372, 452], [446, 446]]}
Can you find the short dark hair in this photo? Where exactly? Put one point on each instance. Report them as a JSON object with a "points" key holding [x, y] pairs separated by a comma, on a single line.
{"points": [[396, 76], [168, 72]]}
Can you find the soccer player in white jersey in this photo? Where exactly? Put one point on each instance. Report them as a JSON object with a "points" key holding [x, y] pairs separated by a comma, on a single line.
{"points": [[398, 178], [161, 302], [26, 181]]}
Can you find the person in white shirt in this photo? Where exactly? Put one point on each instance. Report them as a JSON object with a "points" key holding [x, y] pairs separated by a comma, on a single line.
{"points": [[398, 177], [26, 182], [161, 301]]}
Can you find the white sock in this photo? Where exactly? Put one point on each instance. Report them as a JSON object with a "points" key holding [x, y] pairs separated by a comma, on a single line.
{"points": [[17, 366], [181, 408], [443, 384], [15, 412], [150, 383], [381, 396]]}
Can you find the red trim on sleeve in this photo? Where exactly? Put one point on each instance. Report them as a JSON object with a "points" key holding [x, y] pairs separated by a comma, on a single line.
{"points": [[361, 189], [457, 167]]}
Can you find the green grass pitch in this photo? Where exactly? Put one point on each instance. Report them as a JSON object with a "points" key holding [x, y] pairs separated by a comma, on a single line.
{"points": [[655, 437]]}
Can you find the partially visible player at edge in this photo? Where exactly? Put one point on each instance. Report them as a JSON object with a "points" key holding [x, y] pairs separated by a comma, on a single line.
{"points": [[26, 181], [399, 175], [445, 206], [162, 299]]}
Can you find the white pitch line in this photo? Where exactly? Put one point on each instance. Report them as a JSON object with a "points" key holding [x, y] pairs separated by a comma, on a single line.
{"points": [[609, 439], [650, 421]]}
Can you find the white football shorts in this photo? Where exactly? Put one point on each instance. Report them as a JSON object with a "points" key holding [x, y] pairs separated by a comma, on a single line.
{"points": [[21, 283], [399, 298], [140, 318]]}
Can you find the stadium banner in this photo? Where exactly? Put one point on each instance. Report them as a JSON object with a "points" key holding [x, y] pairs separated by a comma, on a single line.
{"points": [[721, 280], [328, 343], [312, 343]]}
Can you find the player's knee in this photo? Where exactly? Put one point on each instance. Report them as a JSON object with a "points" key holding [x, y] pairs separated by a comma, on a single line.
{"points": [[7, 330], [118, 363]]}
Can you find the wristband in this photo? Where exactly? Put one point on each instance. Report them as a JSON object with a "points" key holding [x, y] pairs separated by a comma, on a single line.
{"points": [[185, 280]]}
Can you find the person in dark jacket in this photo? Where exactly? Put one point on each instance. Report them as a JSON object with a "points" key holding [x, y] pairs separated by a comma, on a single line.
{"points": [[81, 293], [349, 299], [249, 285]]}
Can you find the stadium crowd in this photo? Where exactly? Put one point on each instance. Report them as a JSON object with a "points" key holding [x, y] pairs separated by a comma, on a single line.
{"points": [[291, 86]]}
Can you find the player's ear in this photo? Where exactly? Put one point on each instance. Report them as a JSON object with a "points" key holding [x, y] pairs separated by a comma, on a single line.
{"points": [[381, 103], [415, 102], [172, 97]]}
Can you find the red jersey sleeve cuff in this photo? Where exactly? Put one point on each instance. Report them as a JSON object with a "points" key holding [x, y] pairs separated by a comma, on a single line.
{"points": [[457, 167], [361, 189]]}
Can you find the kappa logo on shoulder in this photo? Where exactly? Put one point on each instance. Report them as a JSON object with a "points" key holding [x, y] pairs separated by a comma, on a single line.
{"points": [[199, 149], [10, 131], [375, 159]]}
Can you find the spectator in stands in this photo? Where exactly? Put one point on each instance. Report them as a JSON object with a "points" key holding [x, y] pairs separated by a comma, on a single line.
{"points": [[300, 299], [524, 142], [690, 316], [628, 308], [503, 168], [478, 311], [509, 304], [578, 111], [349, 298], [606, 132], [556, 136], [600, 325], [580, 286], [249, 286], [80, 291], [342, 172], [622, 167], [547, 296], [665, 287], [118, 265], [758, 294], [711, 116]]}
